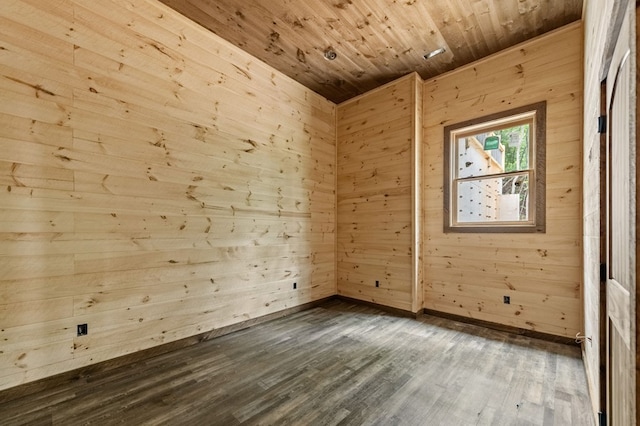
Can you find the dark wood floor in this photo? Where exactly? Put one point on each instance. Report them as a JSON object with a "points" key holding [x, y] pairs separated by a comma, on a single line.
{"points": [[336, 364]]}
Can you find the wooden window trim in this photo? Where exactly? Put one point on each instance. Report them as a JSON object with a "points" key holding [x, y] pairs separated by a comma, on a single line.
{"points": [[538, 189]]}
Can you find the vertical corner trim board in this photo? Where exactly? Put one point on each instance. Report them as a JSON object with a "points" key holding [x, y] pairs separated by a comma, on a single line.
{"points": [[155, 183], [468, 274]]}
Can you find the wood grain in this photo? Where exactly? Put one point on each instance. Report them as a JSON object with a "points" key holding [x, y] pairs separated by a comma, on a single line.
{"points": [[378, 212], [376, 41], [156, 183], [339, 363], [468, 274], [600, 24]]}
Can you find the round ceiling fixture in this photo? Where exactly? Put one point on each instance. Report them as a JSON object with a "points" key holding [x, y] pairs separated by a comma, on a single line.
{"points": [[330, 54]]}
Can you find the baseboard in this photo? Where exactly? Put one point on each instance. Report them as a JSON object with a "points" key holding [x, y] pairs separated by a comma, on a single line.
{"points": [[486, 324], [83, 373], [389, 309], [506, 328]]}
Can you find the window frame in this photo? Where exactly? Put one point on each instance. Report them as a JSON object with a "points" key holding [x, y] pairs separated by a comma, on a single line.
{"points": [[536, 170]]}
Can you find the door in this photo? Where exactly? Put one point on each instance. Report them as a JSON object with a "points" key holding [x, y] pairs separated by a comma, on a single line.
{"points": [[621, 229]]}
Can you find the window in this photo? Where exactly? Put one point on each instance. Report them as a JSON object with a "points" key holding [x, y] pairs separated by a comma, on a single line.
{"points": [[495, 172]]}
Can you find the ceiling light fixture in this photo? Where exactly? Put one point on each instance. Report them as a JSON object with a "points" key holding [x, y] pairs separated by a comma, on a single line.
{"points": [[435, 53], [330, 54]]}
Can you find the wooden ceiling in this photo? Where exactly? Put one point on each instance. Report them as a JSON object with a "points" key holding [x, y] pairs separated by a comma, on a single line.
{"points": [[376, 41]]}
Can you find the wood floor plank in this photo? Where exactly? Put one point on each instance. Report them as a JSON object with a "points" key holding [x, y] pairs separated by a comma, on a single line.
{"points": [[337, 364]]}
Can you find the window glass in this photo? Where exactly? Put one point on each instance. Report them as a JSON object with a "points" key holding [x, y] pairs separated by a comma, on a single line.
{"points": [[494, 173]]}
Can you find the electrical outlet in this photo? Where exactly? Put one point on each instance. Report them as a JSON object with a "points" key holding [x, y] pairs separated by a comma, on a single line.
{"points": [[507, 300], [295, 286], [83, 329], [377, 283]]}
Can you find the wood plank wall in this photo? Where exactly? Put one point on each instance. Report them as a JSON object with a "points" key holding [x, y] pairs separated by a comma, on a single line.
{"points": [[156, 183], [468, 274], [598, 23], [377, 139]]}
